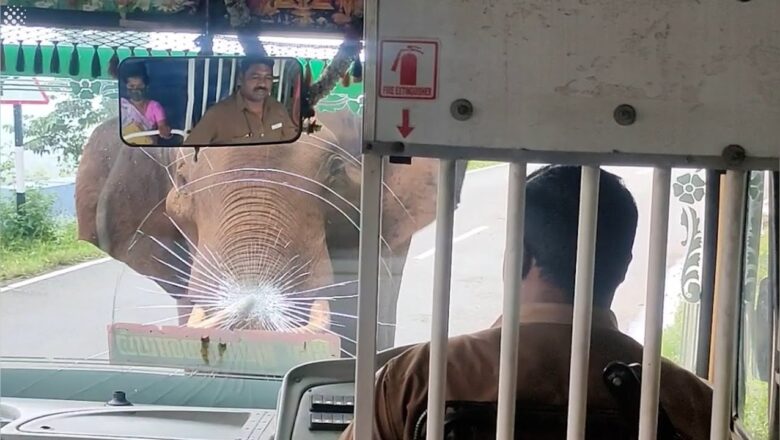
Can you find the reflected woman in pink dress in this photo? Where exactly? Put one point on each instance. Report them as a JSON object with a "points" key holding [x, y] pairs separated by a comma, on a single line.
{"points": [[140, 113]]}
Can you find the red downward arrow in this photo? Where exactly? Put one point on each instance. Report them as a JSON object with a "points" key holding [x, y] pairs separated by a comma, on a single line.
{"points": [[405, 129]]}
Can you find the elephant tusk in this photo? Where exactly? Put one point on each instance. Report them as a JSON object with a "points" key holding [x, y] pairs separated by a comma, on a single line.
{"points": [[319, 318], [211, 321], [196, 316], [318, 322]]}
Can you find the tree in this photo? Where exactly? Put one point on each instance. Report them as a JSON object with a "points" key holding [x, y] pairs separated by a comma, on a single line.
{"points": [[64, 131], [6, 168]]}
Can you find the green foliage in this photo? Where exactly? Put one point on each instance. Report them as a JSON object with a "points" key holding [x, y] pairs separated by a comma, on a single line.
{"points": [[64, 131], [756, 413], [477, 164], [32, 241], [6, 168], [35, 257], [671, 339], [32, 221]]}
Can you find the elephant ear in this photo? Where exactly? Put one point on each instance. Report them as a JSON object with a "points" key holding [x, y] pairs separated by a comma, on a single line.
{"points": [[408, 205], [120, 197]]}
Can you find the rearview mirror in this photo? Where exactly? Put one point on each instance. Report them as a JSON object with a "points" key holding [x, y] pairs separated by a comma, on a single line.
{"points": [[209, 101]]}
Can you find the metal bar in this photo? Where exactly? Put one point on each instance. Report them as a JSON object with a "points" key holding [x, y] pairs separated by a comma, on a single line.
{"points": [[654, 318], [730, 252], [370, 64], [220, 68], [583, 302], [205, 98], [527, 153], [281, 81], [718, 264], [709, 254], [368, 286], [232, 75], [442, 275], [510, 327], [190, 94], [19, 156]]}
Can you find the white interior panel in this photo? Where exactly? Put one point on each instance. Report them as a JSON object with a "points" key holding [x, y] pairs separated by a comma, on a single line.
{"points": [[548, 75]]}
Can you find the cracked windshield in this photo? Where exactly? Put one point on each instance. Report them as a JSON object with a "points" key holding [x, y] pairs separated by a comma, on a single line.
{"points": [[243, 260]]}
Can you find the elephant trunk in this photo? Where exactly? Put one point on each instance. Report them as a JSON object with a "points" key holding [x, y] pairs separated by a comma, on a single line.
{"points": [[254, 233], [258, 260]]}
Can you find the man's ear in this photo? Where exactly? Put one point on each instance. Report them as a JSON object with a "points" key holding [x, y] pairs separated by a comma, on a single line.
{"points": [[627, 265]]}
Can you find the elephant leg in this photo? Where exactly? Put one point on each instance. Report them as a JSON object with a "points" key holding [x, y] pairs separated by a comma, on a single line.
{"points": [[344, 319], [184, 309], [344, 305], [389, 290]]}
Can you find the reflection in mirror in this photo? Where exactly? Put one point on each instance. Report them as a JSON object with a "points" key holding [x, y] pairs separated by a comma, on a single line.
{"points": [[210, 101]]}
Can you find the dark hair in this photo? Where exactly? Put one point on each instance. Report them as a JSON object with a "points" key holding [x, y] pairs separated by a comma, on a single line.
{"points": [[551, 225], [136, 71], [250, 61]]}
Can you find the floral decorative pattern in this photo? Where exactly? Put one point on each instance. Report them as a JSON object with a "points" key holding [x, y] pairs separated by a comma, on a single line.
{"points": [[88, 89], [321, 14], [753, 231], [338, 101], [121, 6], [689, 189]]}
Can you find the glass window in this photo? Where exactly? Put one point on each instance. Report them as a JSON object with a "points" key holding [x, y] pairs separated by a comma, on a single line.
{"points": [[755, 319]]}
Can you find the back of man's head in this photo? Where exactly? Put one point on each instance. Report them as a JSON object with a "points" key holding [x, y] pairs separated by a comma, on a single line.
{"points": [[551, 224]]}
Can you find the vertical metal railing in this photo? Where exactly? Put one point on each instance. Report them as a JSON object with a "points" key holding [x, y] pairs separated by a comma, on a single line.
{"points": [[731, 229], [368, 287], [233, 66], [654, 318], [728, 286], [190, 94], [205, 99], [220, 68], [510, 321], [442, 275], [583, 303], [774, 432], [279, 91]]}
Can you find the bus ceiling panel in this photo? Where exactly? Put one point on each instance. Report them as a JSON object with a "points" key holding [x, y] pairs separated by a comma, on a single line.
{"points": [[680, 79]]}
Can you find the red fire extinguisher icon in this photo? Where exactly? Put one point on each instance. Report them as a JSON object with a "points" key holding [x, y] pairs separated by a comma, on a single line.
{"points": [[407, 58]]}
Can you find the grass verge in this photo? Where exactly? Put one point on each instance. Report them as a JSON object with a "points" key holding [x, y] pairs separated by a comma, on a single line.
{"points": [[34, 257], [477, 164]]}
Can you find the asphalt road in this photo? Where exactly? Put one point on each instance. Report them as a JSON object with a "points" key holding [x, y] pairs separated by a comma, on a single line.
{"points": [[65, 315]]}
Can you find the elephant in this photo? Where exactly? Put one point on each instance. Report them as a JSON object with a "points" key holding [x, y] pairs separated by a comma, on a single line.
{"points": [[257, 237]]}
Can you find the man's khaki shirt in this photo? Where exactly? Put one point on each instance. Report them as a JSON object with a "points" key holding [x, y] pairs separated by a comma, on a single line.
{"points": [[229, 121], [542, 376]]}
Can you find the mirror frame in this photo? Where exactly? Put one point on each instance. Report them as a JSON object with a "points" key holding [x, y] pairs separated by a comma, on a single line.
{"points": [[304, 105]]}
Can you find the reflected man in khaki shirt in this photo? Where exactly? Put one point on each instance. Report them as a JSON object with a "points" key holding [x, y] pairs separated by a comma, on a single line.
{"points": [[546, 297], [251, 115]]}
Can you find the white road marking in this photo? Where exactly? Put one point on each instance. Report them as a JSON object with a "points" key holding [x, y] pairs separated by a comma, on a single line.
{"points": [[461, 237], [56, 273]]}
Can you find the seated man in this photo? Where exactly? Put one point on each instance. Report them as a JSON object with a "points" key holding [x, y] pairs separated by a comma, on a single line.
{"points": [[551, 222], [250, 115]]}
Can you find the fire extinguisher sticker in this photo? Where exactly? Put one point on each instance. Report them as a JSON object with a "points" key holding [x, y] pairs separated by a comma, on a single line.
{"points": [[409, 69], [407, 59]]}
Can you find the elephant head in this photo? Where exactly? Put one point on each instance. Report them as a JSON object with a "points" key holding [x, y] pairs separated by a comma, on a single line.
{"points": [[255, 221]]}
